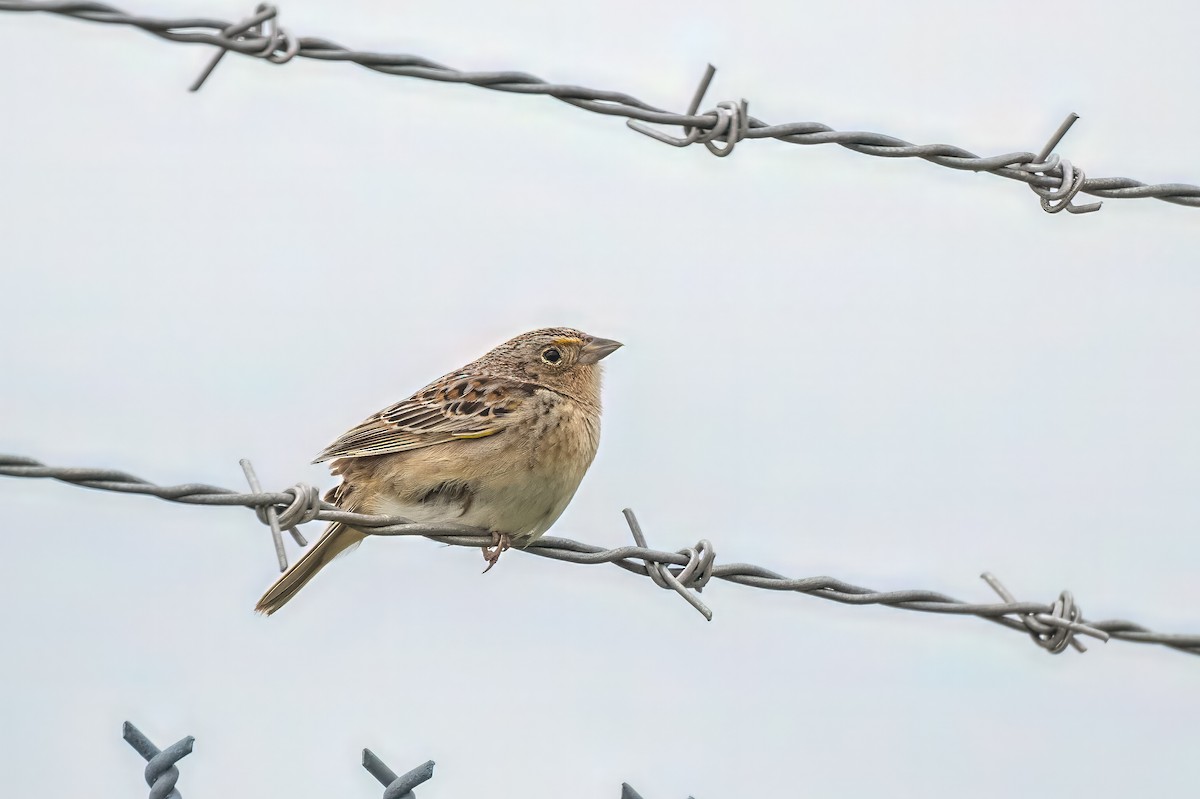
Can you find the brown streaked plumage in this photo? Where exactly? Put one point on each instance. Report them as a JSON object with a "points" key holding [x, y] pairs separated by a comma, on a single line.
{"points": [[501, 444]]}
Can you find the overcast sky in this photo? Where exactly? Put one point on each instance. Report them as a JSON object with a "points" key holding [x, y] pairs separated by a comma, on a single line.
{"points": [[881, 370]]}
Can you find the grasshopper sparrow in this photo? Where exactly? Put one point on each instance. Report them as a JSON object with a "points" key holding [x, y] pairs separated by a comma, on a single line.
{"points": [[501, 444]]}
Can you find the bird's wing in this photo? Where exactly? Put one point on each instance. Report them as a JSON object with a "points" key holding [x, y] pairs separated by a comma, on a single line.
{"points": [[455, 408]]}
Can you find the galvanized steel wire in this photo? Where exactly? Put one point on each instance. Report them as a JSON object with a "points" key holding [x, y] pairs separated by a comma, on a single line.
{"points": [[1053, 626], [1056, 180], [162, 775]]}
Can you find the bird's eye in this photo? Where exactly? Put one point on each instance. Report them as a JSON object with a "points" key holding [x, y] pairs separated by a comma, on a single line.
{"points": [[551, 355]]}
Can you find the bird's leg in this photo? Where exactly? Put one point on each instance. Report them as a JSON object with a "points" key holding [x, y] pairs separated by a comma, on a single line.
{"points": [[500, 543]]}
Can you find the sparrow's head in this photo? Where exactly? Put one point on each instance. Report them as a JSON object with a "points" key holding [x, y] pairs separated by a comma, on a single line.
{"points": [[558, 358]]}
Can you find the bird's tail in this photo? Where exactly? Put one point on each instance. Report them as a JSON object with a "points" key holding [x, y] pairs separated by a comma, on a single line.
{"points": [[336, 539]]}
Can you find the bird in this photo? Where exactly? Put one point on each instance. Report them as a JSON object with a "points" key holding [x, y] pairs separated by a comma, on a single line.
{"points": [[501, 444]]}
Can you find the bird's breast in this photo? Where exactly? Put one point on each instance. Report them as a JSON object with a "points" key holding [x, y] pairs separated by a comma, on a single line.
{"points": [[558, 433], [540, 463], [518, 482]]}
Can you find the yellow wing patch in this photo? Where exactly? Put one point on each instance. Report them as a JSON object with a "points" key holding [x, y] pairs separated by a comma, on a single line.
{"points": [[480, 434]]}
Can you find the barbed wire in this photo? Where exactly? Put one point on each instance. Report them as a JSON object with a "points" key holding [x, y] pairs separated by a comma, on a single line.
{"points": [[162, 775], [687, 571], [1056, 180], [396, 786]]}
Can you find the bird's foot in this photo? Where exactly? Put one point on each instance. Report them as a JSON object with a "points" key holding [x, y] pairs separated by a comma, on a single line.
{"points": [[500, 543]]}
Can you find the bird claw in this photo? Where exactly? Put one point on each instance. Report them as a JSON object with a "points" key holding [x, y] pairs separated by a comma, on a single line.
{"points": [[500, 543]]}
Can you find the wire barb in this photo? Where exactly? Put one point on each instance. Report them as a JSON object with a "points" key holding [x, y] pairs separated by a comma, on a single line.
{"points": [[728, 122], [636, 559], [261, 30], [694, 575], [690, 132], [396, 787], [304, 507], [1054, 630], [161, 774], [1071, 179]]}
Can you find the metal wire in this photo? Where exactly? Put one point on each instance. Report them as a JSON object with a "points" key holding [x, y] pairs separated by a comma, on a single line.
{"points": [[161, 774], [1052, 626], [396, 787], [1055, 179]]}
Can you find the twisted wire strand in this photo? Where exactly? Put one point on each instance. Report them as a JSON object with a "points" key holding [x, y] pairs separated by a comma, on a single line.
{"points": [[261, 36], [160, 772], [685, 571], [396, 786]]}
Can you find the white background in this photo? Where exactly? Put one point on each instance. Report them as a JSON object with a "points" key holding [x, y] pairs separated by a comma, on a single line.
{"points": [[882, 370]]}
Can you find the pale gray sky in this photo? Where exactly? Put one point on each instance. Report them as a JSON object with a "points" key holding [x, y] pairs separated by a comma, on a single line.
{"points": [[880, 370]]}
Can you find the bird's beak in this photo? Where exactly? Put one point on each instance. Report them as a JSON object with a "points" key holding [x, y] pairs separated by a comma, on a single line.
{"points": [[597, 348]]}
